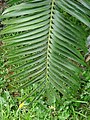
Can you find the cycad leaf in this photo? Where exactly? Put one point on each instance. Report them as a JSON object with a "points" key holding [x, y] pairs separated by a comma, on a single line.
{"points": [[42, 44]]}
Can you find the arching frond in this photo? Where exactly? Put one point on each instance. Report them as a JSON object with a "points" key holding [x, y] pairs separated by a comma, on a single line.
{"points": [[43, 45]]}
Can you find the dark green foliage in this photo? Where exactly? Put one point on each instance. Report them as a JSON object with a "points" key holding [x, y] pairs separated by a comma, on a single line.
{"points": [[42, 52]]}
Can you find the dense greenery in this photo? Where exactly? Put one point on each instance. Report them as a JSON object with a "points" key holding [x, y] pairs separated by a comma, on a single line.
{"points": [[49, 107], [43, 72]]}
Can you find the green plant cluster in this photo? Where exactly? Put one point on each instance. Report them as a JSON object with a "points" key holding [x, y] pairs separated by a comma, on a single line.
{"points": [[43, 72], [50, 106]]}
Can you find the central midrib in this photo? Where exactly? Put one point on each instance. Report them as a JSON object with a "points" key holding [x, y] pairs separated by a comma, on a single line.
{"points": [[49, 35]]}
